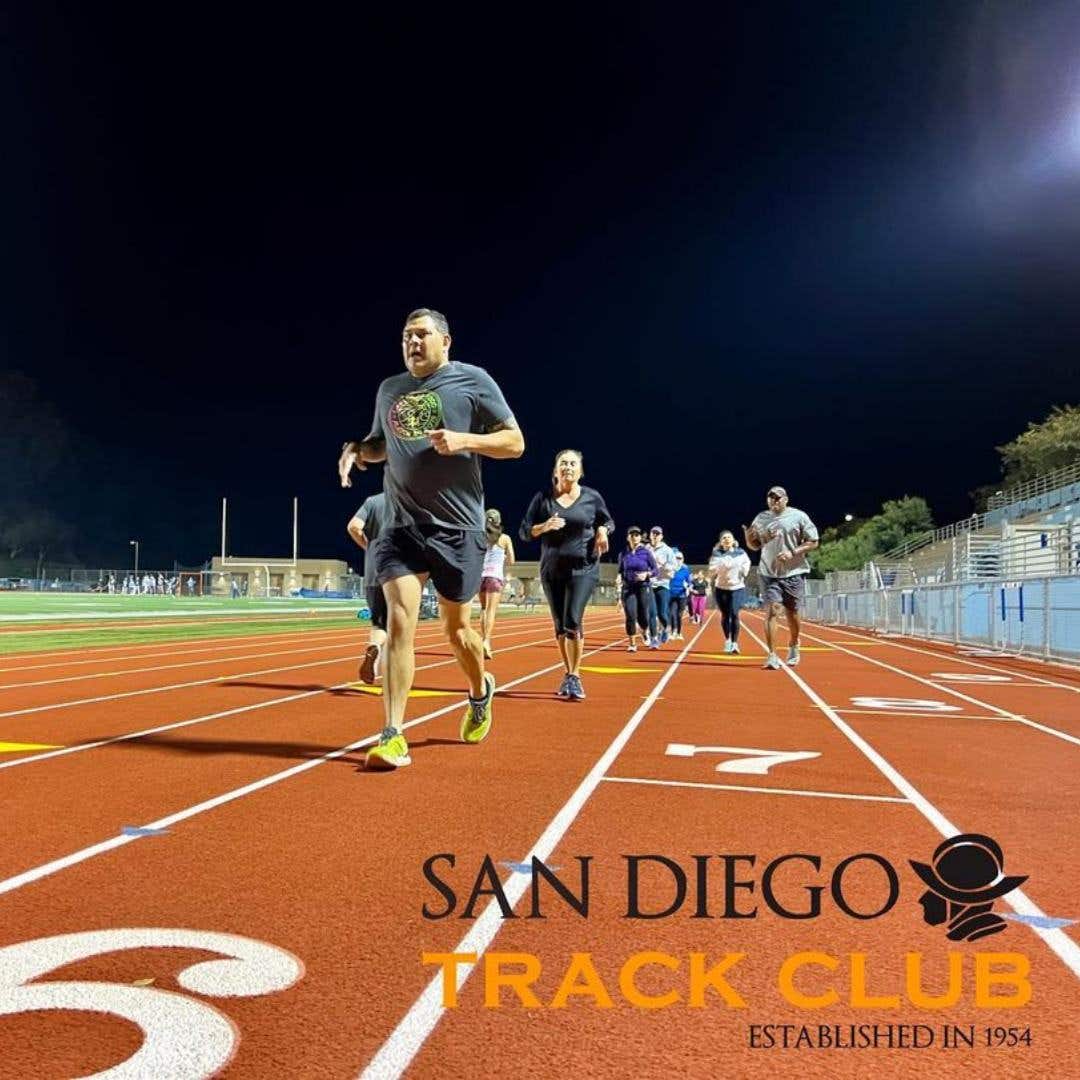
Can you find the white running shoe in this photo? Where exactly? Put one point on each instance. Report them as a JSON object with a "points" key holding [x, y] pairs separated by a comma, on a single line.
{"points": [[729, 646], [772, 663], [793, 656]]}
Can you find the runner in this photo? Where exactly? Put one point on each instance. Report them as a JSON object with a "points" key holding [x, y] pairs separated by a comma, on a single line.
{"points": [[784, 535], [729, 565], [365, 527], [699, 589], [573, 525], [637, 567], [661, 584], [432, 425], [497, 560], [679, 587]]}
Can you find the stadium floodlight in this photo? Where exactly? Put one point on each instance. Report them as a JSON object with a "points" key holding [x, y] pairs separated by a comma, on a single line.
{"points": [[849, 517], [136, 543]]}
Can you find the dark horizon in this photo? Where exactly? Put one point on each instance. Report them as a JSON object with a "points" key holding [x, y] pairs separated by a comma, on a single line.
{"points": [[715, 250]]}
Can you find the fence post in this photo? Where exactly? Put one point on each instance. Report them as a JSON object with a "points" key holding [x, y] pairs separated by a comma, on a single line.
{"points": [[956, 614], [1047, 617]]}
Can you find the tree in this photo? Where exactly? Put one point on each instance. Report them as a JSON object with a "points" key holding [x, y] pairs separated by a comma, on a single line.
{"points": [[1044, 446], [899, 520]]}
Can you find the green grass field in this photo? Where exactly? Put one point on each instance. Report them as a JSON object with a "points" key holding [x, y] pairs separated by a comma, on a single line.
{"points": [[41, 621]]}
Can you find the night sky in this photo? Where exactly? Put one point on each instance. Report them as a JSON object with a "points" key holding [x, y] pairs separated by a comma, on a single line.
{"points": [[832, 246]]}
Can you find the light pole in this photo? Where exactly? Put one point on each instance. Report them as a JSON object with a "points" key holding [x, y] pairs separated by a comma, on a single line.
{"points": [[136, 543]]}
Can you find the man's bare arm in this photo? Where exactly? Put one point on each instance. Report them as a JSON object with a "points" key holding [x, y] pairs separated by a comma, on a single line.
{"points": [[359, 454], [503, 440]]}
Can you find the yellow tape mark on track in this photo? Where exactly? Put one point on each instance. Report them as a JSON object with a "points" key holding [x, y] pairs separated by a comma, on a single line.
{"points": [[377, 691], [17, 747], [620, 670]]}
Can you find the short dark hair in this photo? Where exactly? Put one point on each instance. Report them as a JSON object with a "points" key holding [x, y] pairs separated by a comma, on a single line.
{"points": [[437, 317]]}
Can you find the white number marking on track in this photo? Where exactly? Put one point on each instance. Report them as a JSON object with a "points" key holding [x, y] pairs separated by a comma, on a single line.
{"points": [[183, 1037], [902, 704], [752, 761]]}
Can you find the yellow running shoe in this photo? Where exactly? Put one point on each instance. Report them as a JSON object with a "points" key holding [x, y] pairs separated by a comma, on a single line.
{"points": [[392, 751], [476, 723]]}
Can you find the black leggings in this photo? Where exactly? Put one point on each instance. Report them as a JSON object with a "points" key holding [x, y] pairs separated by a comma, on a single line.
{"points": [[639, 609], [729, 601], [676, 610], [567, 595]]}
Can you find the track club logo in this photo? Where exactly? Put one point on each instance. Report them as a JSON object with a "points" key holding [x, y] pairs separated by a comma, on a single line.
{"points": [[962, 884], [412, 416]]}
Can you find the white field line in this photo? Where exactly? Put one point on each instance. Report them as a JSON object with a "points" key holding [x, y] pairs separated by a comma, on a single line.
{"points": [[1059, 942], [945, 688], [211, 616], [188, 685], [54, 866], [755, 790], [230, 640], [352, 641], [405, 1041], [942, 654], [63, 751]]}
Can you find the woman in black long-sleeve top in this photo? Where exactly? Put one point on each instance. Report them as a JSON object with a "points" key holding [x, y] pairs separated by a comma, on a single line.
{"points": [[573, 525]]}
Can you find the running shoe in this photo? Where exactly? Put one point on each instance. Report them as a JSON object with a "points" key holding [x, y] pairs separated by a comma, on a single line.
{"points": [[772, 663], [663, 637], [793, 656], [564, 687], [631, 648], [734, 646], [729, 646], [654, 644], [487, 649], [367, 664], [476, 723], [392, 751], [577, 691]]}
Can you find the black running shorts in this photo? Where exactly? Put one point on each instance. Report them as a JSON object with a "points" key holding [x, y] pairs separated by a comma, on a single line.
{"points": [[454, 558]]}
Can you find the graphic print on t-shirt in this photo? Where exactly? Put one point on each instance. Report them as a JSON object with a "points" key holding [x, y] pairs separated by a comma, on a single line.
{"points": [[412, 416]]}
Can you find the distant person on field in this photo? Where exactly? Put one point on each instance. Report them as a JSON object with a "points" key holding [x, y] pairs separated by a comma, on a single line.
{"points": [[783, 535]]}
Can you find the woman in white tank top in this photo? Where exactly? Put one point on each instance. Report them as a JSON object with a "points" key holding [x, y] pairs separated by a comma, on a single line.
{"points": [[498, 558]]}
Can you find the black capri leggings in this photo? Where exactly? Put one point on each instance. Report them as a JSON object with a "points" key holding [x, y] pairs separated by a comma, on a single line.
{"points": [[676, 610], [639, 609], [567, 595]]}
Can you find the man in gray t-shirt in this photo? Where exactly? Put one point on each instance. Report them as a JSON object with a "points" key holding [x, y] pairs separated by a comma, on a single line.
{"points": [[783, 535], [365, 527], [432, 425]]}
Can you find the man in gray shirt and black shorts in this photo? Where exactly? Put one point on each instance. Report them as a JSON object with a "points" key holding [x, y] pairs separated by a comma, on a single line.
{"points": [[783, 535], [432, 425]]}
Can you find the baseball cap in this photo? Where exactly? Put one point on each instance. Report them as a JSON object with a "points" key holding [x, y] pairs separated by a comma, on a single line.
{"points": [[656, 528], [634, 530], [776, 489], [493, 517]]}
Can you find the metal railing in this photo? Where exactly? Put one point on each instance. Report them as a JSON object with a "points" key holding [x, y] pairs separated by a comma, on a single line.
{"points": [[1040, 485], [1037, 617]]}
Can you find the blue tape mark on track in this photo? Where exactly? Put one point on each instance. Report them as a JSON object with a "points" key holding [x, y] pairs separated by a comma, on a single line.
{"points": [[1043, 922], [135, 830], [524, 867]]}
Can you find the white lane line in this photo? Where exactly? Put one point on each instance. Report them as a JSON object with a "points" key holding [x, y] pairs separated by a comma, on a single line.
{"points": [[952, 657], [187, 685], [945, 688], [97, 653], [1067, 950], [405, 1041], [243, 641], [326, 646], [56, 865], [756, 790], [925, 713]]}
